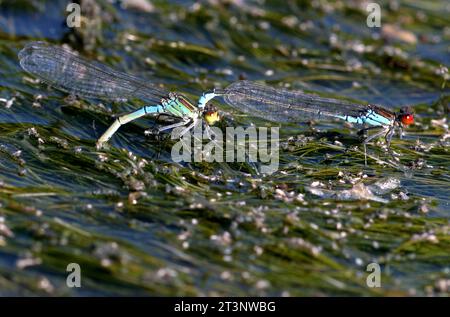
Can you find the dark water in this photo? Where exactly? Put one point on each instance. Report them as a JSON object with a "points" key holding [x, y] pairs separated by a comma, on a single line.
{"points": [[138, 223]]}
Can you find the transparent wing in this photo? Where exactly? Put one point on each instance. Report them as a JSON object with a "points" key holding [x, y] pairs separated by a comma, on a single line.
{"points": [[66, 71], [285, 105]]}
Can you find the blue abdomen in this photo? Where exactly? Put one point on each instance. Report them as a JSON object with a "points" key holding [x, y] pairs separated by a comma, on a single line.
{"points": [[371, 118]]}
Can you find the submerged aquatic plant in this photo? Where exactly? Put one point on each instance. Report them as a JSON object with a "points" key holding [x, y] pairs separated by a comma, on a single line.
{"points": [[139, 223]]}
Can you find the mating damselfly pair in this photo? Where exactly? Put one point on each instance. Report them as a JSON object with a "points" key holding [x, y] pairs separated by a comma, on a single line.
{"points": [[71, 73]]}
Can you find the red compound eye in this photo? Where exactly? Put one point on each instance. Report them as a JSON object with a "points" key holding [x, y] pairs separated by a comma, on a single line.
{"points": [[407, 119]]}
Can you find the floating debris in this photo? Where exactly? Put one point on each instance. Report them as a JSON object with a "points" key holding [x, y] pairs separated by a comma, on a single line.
{"points": [[166, 274], [8, 102], [262, 284], [359, 191], [393, 32], [110, 253], [27, 262], [45, 285]]}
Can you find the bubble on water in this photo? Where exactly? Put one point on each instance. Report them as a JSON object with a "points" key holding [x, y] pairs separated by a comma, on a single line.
{"points": [[102, 157], [288, 196], [385, 185], [8, 102], [184, 235], [225, 71], [423, 208], [290, 21], [225, 275], [110, 253], [5, 231], [317, 184], [358, 192], [264, 25], [303, 244], [224, 239], [258, 250], [27, 262], [245, 275], [166, 273], [262, 284], [426, 236], [45, 285], [228, 258], [443, 285]]}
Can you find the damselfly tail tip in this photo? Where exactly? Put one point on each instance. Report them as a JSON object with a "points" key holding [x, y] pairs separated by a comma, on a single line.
{"points": [[23, 54], [365, 155], [27, 58], [98, 145], [29, 48]]}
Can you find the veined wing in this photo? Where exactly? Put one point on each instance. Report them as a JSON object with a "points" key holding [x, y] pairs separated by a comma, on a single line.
{"points": [[66, 71], [286, 105]]}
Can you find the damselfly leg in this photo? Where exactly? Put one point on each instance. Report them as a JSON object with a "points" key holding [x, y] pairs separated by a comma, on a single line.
{"points": [[400, 131], [189, 127], [171, 126], [157, 131], [209, 134], [388, 138], [363, 132], [371, 137]]}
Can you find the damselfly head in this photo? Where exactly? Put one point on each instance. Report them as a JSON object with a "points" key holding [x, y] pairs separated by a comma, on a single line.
{"points": [[211, 114], [406, 116]]}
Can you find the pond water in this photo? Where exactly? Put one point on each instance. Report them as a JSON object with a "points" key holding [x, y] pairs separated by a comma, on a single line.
{"points": [[139, 223]]}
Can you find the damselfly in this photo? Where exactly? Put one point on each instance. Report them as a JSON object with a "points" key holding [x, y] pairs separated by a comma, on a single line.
{"points": [[286, 105], [71, 73]]}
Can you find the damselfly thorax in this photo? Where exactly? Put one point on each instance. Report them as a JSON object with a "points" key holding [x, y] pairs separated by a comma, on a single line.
{"points": [[179, 106]]}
